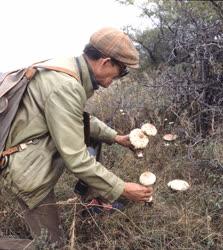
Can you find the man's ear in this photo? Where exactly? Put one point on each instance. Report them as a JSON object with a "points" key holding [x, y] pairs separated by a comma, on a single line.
{"points": [[105, 60]]}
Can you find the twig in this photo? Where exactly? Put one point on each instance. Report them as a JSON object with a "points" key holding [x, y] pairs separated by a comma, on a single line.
{"points": [[28, 245], [85, 205], [72, 229]]}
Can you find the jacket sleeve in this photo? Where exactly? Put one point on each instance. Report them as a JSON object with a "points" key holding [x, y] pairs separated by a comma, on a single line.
{"points": [[63, 111], [99, 130]]}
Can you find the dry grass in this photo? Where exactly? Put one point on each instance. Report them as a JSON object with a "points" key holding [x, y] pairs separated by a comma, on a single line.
{"points": [[176, 220]]}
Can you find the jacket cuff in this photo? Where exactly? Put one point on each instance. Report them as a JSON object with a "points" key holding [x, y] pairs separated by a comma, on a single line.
{"points": [[116, 191], [111, 136]]}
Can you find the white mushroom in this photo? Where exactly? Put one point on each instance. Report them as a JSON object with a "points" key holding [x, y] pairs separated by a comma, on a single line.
{"points": [[149, 129], [170, 137], [147, 179], [178, 185], [139, 140]]}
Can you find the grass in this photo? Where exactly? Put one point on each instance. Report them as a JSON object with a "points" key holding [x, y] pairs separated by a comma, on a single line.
{"points": [[176, 220]]}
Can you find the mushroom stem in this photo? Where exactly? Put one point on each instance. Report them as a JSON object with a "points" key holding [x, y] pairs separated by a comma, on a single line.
{"points": [[139, 153], [150, 200]]}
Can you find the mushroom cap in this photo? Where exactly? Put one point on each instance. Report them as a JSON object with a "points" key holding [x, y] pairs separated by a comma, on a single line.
{"points": [[149, 129], [178, 185], [147, 178], [138, 139], [170, 137]]}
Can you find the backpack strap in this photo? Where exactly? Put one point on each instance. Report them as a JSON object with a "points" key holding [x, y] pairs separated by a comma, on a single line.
{"points": [[29, 74], [58, 69]]}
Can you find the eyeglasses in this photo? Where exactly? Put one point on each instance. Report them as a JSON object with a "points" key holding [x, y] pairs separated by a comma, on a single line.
{"points": [[123, 71]]}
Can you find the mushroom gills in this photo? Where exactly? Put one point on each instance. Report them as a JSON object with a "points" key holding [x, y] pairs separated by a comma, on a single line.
{"points": [[170, 137]]}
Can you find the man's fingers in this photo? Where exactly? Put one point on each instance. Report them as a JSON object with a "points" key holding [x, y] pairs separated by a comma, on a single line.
{"points": [[148, 190], [137, 192], [146, 195]]}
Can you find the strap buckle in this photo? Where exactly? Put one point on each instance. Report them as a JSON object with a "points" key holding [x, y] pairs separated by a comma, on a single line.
{"points": [[23, 146]]}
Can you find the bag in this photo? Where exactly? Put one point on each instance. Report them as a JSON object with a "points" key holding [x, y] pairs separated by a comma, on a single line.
{"points": [[12, 88]]}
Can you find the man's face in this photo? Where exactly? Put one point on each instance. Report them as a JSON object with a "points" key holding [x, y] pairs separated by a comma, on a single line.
{"points": [[107, 71]]}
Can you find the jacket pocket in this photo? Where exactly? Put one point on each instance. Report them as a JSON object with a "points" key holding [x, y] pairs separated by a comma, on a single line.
{"points": [[34, 168]]}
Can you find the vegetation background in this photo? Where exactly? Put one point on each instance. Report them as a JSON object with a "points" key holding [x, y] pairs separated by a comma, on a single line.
{"points": [[178, 89]]}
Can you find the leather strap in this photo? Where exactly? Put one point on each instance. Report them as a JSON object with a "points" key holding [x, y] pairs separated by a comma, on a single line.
{"points": [[30, 72], [2, 161], [10, 151], [59, 69]]}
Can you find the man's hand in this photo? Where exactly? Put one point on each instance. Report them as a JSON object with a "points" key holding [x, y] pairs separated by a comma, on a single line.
{"points": [[137, 192], [123, 140]]}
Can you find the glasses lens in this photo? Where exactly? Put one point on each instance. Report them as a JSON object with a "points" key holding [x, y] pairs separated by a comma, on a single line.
{"points": [[123, 70]]}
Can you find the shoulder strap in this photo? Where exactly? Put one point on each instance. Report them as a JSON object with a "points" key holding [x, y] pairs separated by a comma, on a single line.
{"points": [[59, 69], [29, 73]]}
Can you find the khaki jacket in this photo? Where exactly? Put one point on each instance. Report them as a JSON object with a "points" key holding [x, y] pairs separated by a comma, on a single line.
{"points": [[52, 110]]}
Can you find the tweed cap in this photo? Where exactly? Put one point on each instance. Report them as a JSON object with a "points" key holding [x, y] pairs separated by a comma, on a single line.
{"points": [[114, 43]]}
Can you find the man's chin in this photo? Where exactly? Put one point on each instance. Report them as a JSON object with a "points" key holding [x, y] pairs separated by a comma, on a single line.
{"points": [[103, 85]]}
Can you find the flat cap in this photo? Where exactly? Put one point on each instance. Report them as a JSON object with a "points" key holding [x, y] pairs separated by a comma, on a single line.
{"points": [[116, 44]]}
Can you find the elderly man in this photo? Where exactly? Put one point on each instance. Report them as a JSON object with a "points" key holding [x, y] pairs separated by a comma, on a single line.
{"points": [[51, 113]]}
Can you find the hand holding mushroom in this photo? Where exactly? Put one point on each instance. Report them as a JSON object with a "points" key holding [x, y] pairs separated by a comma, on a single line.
{"points": [[123, 140], [137, 192]]}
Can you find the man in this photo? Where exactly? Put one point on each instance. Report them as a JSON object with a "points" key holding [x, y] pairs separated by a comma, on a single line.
{"points": [[51, 113]]}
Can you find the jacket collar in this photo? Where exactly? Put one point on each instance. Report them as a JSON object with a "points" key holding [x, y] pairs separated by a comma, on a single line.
{"points": [[81, 67], [86, 75]]}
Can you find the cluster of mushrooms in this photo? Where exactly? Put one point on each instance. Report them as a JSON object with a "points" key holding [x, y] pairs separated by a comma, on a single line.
{"points": [[139, 138]]}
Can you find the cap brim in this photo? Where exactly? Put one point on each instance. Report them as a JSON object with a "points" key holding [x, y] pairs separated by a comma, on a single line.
{"points": [[134, 66]]}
